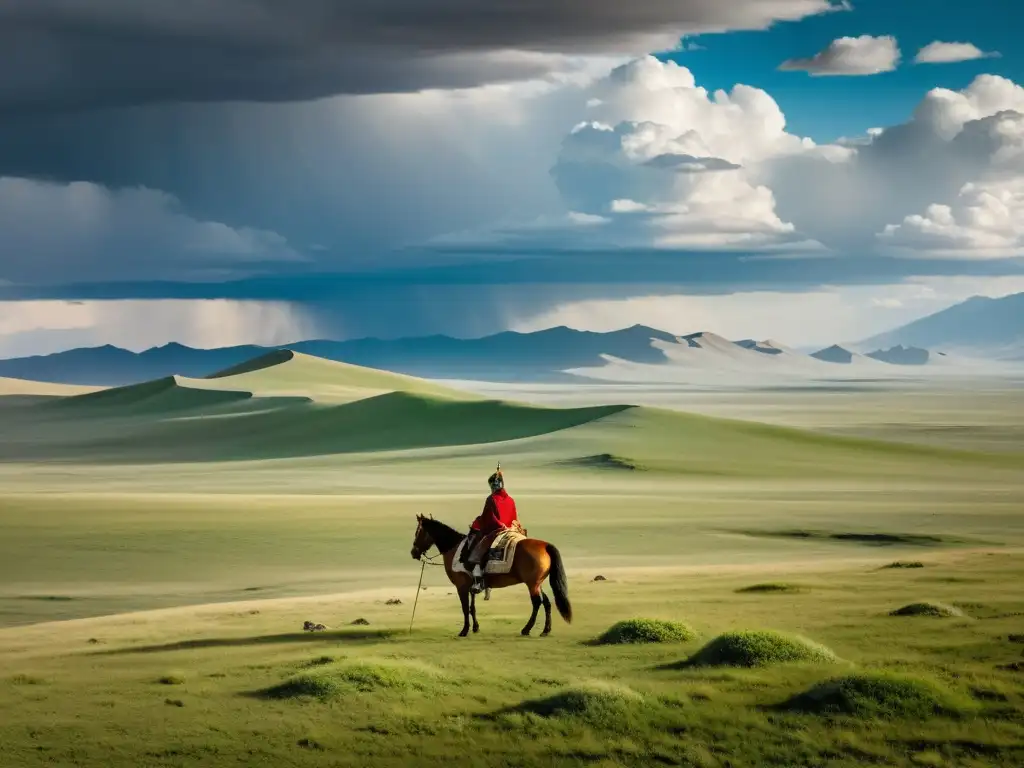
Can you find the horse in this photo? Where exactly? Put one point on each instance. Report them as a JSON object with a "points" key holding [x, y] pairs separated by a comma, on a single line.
{"points": [[534, 561]]}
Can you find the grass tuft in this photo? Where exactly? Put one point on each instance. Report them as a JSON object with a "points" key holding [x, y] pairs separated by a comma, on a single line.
{"points": [[601, 705], [940, 610], [172, 679], [767, 589], [646, 631], [854, 537], [602, 461], [759, 648], [320, 661], [22, 679], [903, 564], [880, 695], [332, 680]]}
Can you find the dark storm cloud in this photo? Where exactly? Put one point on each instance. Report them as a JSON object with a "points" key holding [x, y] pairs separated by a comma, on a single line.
{"points": [[595, 273], [81, 53], [481, 293]]}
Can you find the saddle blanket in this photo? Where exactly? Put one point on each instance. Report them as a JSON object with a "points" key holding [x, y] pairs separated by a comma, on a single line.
{"points": [[498, 559]]}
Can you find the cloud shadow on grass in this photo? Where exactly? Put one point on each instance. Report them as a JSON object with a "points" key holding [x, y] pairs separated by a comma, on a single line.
{"points": [[318, 638]]}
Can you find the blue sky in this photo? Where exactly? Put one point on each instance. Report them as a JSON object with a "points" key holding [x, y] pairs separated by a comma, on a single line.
{"points": [[826, 108], [375, 177]]}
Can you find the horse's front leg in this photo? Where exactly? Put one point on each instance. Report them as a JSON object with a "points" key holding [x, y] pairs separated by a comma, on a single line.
{"points": [[464, 599], [472, 611]]}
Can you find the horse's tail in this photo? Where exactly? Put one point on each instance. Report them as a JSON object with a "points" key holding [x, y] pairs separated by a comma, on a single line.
{"points": [[559, 584]]}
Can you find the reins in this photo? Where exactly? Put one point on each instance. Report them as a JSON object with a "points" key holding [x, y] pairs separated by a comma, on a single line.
{"points": [[425, 561]]}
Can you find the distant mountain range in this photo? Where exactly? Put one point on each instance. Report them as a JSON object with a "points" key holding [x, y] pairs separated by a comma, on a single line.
{"points": [[978, 327], [505, 356]]}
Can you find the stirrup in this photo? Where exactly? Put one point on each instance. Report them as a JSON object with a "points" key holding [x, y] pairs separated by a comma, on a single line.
{"points": [[478, 585]]}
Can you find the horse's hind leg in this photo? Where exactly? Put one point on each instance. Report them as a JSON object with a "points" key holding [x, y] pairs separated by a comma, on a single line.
{"points": [[537, 601], [547, 613], [472, 611], [464, 599]]}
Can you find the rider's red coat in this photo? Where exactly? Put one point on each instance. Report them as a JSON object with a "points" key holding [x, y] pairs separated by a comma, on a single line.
{"points": [[499, 512]]}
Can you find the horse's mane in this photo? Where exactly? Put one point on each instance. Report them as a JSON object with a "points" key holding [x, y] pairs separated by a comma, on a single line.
{"points": [[445, 537]]}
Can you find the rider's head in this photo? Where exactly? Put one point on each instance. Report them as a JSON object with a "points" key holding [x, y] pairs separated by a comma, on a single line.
{"points": [[496, 481]]}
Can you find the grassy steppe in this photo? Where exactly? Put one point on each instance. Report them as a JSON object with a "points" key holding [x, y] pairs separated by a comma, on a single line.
{"points": [[790, 597]]}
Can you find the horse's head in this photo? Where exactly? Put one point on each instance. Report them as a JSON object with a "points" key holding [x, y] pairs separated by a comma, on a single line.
{"points": [[422, 540]]}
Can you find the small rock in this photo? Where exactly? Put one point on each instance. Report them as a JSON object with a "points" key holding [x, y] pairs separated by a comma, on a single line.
{"points": [[599, 577], [394, 601], [174, 702], [92, 641], [361, 622], [310, 626]]}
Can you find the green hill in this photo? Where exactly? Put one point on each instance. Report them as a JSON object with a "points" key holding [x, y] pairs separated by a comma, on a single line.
{"points": [[283, 372], [153, 398]]}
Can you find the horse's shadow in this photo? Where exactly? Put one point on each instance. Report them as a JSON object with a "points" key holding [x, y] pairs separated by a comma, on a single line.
{"points": [[341, 636]]}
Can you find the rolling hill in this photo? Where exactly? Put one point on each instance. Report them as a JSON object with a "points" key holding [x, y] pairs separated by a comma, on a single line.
{"points": [[280, 404], [286, 405]]}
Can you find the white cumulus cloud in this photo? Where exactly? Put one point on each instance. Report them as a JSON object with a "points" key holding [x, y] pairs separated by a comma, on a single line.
{"points": [[954, 138], [864, 55], [951, 53], [986, 221], [668, 158], [660, 162]]}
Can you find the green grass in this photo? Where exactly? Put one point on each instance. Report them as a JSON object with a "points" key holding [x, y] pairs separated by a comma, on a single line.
{"points": [[633, 631], [254, 690], [256, 686], [759, 648]]}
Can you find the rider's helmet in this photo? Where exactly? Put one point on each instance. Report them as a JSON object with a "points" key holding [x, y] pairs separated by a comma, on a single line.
{"points": [[496, 481]]}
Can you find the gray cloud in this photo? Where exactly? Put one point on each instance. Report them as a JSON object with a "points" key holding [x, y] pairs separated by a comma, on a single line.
{"points": [[691, 164], [84, 53], [864, 55]]}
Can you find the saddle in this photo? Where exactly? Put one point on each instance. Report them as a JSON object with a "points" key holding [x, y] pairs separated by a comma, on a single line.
{"points": [[497, 541], [498, 549]]}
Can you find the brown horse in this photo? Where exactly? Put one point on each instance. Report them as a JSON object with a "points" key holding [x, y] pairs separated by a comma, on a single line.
{"points": [[533, 562]]}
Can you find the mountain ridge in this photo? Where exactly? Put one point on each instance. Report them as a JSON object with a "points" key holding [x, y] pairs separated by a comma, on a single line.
{"points": [[506, 355], [981, 326]]}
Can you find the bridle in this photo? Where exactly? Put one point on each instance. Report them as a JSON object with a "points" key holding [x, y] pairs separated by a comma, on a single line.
{"points": [[424, 558]]}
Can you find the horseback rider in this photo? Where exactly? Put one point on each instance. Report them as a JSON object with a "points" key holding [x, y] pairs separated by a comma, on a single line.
{"points": [[498, 514]]}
